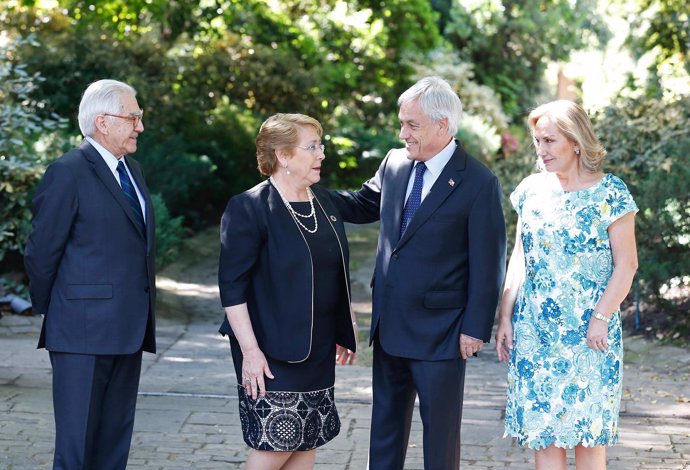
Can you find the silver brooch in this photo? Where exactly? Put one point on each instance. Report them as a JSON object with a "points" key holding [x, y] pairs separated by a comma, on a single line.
{"points": [[333, 218], [451, 182]]}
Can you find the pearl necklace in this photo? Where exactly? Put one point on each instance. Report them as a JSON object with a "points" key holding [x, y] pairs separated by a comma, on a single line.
{"points": [[296, 215]]}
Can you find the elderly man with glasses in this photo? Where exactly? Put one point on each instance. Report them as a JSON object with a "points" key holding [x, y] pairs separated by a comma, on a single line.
{"points": [[90, 261]]}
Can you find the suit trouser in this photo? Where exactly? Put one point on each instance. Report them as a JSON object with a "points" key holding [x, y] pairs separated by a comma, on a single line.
{"points": [[396, 383], [94, 398]]}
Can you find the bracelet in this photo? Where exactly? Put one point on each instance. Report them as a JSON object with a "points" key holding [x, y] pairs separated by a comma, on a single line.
{"points": [[601, 317]]}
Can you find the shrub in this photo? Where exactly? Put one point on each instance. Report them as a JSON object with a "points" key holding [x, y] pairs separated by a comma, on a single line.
{"points": [[17, 179], [648, 141], [169, 232], [20, 161]]}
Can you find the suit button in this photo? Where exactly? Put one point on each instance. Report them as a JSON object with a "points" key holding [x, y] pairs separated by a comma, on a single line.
{"points": [[395, 256], [146, 289]]}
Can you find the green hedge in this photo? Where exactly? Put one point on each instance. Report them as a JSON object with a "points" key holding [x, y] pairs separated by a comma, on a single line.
{"points": [[648, 143], [169, 232], [17, 179]]}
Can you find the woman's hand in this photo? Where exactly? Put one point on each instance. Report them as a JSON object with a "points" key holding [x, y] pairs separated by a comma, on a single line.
{"points": [[515, 276], [597, 335], [254, 367], [504, 340], [344, 356]]}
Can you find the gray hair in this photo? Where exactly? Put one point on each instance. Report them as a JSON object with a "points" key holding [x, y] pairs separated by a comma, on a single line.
{"points": [[102, 96], [437, 99]]}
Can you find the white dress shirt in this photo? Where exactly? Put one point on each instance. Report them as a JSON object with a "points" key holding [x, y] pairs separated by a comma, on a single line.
{"points": [[434, 167], [112, 162]]}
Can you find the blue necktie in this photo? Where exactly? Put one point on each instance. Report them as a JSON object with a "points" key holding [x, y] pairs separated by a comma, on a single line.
{"points": [[414, 200], [130, 194]]}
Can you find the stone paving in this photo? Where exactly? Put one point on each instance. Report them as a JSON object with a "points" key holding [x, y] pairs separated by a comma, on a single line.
{"points": [[187, 412]]}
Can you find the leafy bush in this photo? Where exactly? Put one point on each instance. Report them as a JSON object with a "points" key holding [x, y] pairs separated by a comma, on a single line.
{"points": [[648, 143], [510, 43], [208, 76], [17, 179], [21, 132], [511, 169], [178, 175], [169, 232]]}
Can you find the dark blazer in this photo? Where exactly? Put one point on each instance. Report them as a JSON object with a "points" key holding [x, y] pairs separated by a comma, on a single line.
{"points": [[443, 277], [265, 261], [91, 269]]}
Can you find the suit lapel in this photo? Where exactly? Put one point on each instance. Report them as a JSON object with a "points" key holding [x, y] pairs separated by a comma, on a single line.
{"points": [[108, 179], [397, 177], [447, 182], [138, 176]]}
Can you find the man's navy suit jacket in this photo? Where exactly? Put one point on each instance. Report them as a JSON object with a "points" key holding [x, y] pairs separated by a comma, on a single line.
{"points": [[443, 276], [91, 269]]}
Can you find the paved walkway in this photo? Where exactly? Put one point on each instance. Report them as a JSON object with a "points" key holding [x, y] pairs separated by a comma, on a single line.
{"points": [[187, 413]]}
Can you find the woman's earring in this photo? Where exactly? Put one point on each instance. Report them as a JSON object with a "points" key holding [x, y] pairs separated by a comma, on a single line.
{"points": [[287, 172], [577, 152]]}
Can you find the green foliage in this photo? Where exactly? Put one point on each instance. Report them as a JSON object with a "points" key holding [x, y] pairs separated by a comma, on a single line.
{"points": [[511, 167], [659, 36], [21, 126], [663, 25], [17, 179], [509, 43], [209, 72], [21, 132], [169, 232], [177, 174], [648, 141]]}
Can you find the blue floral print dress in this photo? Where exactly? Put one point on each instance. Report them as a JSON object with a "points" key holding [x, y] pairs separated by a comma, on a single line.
{"points": [[561, 392]]}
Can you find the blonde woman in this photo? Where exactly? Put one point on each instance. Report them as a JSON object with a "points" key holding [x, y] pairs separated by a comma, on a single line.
{"points": [[559, 322]]}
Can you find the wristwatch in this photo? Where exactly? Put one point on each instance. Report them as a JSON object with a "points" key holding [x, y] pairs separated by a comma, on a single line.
{"points": [[601, 317]]}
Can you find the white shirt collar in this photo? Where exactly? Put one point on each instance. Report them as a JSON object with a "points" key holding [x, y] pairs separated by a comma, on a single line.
{"points": [[437, 163], [108, 157]]}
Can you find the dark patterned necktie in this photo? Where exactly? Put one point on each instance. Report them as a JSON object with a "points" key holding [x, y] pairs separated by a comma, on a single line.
{"points": [[130, 194], [414, 200]]}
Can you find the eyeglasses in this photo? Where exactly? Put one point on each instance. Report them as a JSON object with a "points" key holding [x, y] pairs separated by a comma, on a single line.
{"points": [[134, 117], [312, 148]]}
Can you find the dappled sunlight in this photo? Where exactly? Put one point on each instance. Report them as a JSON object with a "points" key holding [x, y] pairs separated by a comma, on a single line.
{"points": [[362, 390], [197, 360], [642, 440], [179, 359], [187, 289]]}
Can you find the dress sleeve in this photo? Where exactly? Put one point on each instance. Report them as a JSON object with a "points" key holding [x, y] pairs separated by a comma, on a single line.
{"points": [[517, 197], [618, 201], [240, 243]]}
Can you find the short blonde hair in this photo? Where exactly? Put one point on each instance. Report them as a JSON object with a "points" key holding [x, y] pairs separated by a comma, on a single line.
{"points": [[280, 132], [572, 121]]}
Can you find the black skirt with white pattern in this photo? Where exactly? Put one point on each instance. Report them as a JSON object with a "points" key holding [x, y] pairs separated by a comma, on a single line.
{"points": [[288, 421]]}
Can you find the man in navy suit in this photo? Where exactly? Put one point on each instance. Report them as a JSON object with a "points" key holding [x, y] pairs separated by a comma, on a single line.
{"points": [[90, 261], [439, 268]]}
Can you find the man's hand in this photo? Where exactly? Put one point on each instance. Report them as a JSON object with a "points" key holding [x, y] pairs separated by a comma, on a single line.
{"points": [[469, 346]]}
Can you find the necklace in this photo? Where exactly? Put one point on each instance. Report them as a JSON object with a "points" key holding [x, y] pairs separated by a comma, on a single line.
{"points": [[296, 215]]}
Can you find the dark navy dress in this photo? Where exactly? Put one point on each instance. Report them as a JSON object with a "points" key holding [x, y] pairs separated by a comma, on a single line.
{"points": [[298, 412]]}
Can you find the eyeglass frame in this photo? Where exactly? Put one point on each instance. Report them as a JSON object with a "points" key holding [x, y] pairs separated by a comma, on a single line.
{"points": [[136, 118], [312, 148]]}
